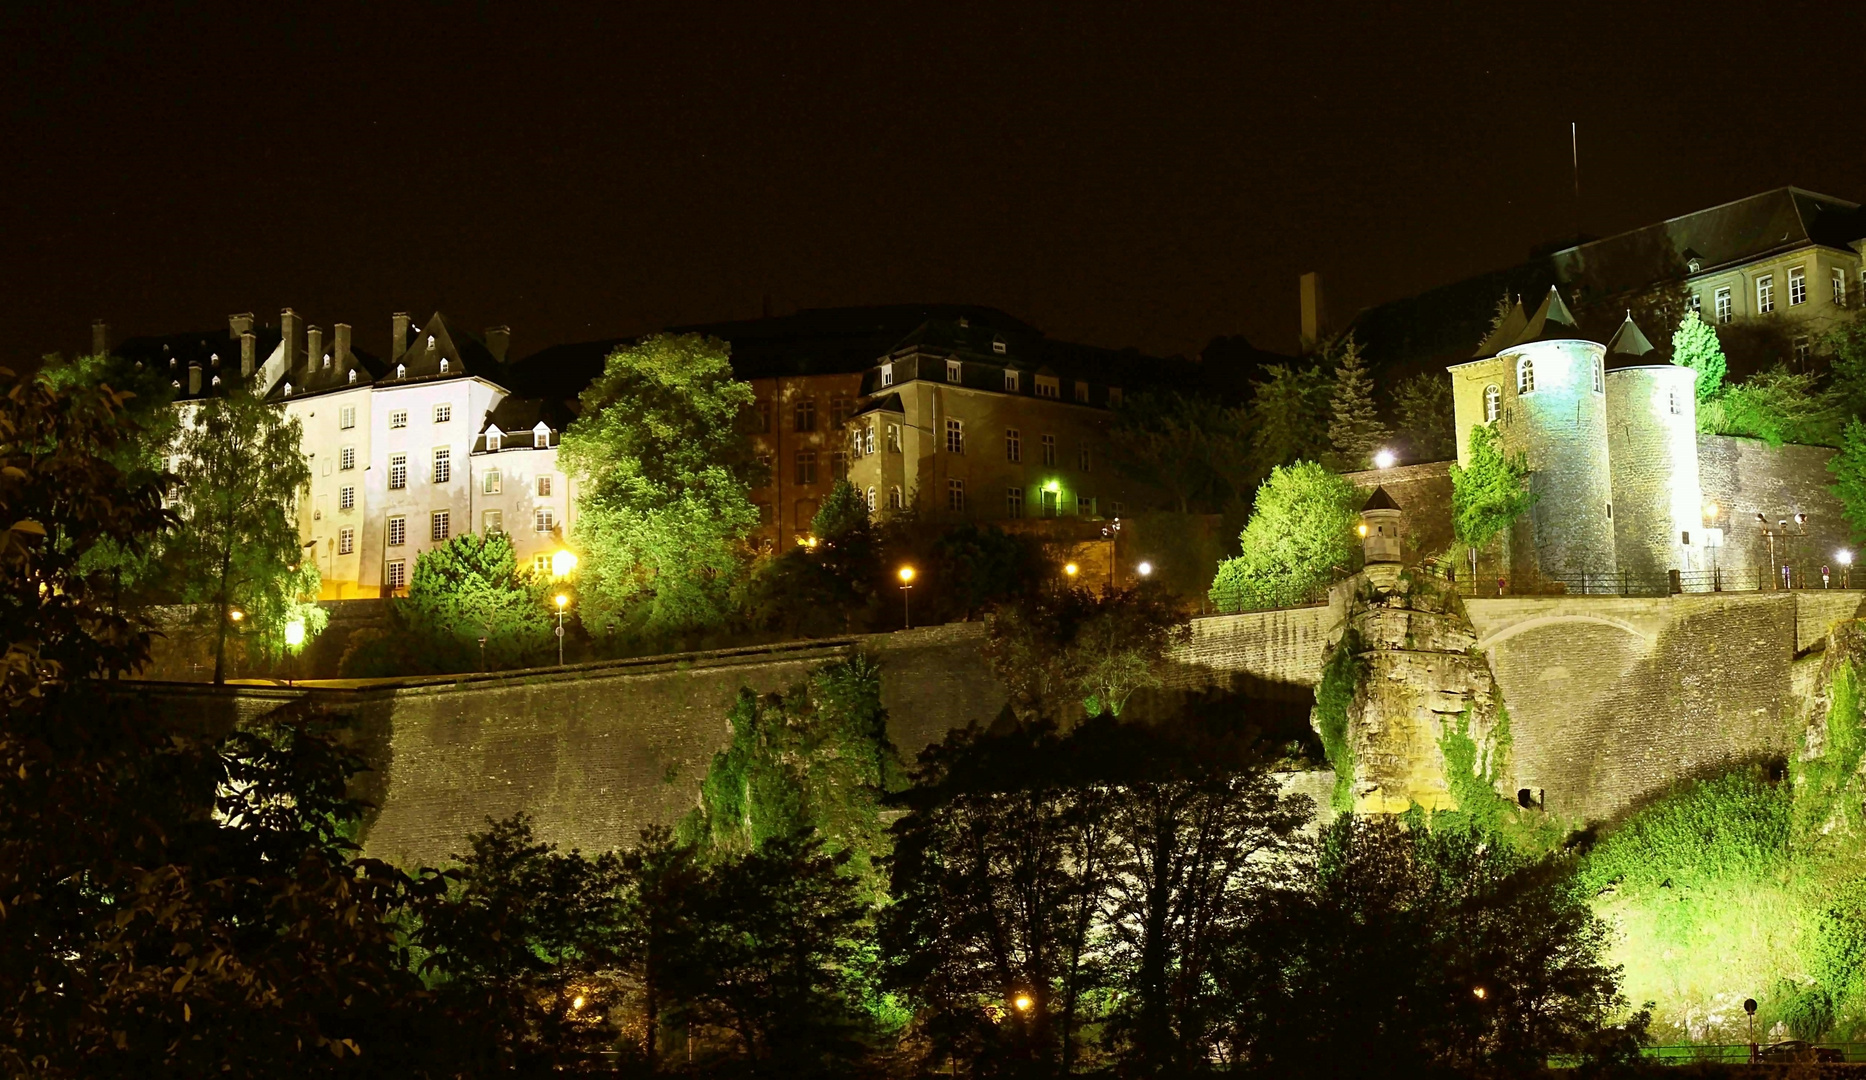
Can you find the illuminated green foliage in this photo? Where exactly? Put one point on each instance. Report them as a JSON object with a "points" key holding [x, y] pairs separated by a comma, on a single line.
{"points": [[1424, 408], [1695, 345], [1849, 470], [1775, 405], [1491, 492], [1334, 696], [1354, 428], [1299, 537]]}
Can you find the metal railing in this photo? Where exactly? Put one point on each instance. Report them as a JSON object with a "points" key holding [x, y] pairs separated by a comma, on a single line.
{"points": [[1777, 1053]]}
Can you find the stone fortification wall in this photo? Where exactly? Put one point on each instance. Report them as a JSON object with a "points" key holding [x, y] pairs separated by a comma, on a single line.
{"points": [[1424, 495], [1745, 477], [1652, 442], [1561, 428], [1261, 655]]}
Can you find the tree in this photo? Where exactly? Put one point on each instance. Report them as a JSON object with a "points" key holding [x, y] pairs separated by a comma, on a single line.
{"points": [[829, 586], [1355, 430], [1491, 493], [1427, 417], [1073, 654], [1695, 345], [1300, 534], [1188, 447], [472, 588], [1849, 470], [235, 545], [1775, 405], [664, 507], [1289, 414]]}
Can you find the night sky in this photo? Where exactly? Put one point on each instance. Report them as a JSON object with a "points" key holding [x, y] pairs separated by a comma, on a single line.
{"points": [[1125, 175]]}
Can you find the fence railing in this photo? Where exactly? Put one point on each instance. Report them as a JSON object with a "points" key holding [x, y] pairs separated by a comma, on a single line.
{"points": [[1777, 1053], [1629, 583]]}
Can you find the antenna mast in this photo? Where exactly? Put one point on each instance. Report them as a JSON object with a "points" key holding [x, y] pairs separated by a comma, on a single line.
{"points": [[1574, 146]]}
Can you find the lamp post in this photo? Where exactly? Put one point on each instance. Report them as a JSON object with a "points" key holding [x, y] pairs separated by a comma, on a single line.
{"points": [[1783, 578], [1384, 459], [562, 602], [906, 574], [1112, 531], [294, 641], [1845, 558]]}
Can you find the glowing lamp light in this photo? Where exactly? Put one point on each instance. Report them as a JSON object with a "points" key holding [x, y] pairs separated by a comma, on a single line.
{"points": [[1023, 1002], [1843, 557], [1361, 528], [577, 1002], [562, 601], [295, 633], [1071, 569], [1384, 459], [563, 563], [236, 615], [1145, 569], [1710, 510], [1052, 485], [906, 574], [1479, 993]]}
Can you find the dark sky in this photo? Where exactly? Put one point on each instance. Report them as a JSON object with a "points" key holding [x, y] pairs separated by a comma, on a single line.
{"points": [[1139, 174]]}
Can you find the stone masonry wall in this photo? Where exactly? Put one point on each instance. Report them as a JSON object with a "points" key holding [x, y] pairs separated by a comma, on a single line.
{"points": [[1745, 477], [1424, 495]]}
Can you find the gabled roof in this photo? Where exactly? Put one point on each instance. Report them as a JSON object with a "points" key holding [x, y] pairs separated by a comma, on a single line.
{"points": [[1513, 324], [441, 339], [309, 375], [517, 418], [215, 351], [884, 403], [1735, 232]]}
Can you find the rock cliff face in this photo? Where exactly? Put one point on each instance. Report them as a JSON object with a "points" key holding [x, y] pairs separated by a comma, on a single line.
{"points": [[1403, 689]]}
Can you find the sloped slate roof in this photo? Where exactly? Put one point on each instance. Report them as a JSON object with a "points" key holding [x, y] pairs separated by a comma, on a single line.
{"points": [[1551, 322], [518, 417], [215, 351], [464, 350], [1379, 500], [1628, 343], [1735, 232]]}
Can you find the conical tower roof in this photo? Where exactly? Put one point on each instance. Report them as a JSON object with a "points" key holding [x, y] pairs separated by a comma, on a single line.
{"points": [[1551, 322], [1628, 343], [1379, 500], [1499, 339]]}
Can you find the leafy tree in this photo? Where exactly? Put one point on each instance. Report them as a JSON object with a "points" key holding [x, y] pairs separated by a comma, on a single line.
{"points": [[829, 587], [1354, 430], [1300, 534], [1489, 494], [1849, 470], [1427, 418], [1775, 405], [235, 545], [1074, 654], [1289, 414], [1695, 345], [1847, 373], [472, 588], [1187, 447], [664, 508]]}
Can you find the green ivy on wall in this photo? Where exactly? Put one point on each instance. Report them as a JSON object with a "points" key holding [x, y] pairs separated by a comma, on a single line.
{"points": [[1334, 696]]}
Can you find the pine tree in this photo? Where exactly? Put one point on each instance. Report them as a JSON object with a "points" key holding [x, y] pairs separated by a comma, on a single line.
{"points": [[1355, 431], [1695, 345]]}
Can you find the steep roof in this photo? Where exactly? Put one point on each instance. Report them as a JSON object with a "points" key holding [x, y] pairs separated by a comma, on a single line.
{"points": [[442, 339], [1379, 500], [1551, 322], [1735, 232], [215, 351], [1513, 324], [311, 375], [1628, 342], [517, 418]]}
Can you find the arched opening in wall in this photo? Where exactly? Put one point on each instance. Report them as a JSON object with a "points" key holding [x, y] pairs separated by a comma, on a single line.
{"points": [[1525, 798]]}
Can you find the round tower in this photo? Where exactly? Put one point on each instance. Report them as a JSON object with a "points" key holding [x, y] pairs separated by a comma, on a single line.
{"points": [[1652, 439], [1555, 414]]}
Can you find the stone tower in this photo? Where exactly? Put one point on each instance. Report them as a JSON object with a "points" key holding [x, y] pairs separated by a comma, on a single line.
{"points": [[1652, 439], [1380, 538]]}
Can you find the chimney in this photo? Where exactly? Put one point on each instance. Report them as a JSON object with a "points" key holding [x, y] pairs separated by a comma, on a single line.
{"points": [[100, 338], [1314, 316], [498, 340], [314, 351], [341, 344], [249, 345], [398, 337], [239, 324], [288, 337], [194, 378]]}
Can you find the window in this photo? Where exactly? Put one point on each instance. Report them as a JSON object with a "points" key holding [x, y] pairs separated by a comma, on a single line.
{"points": [[398, 418], [346, 415], [492, 521], [952, 371], [1047, 386], [541, 565], [1010, 381], [288, 389], [887, 374], [1600, 376], [838, 411], [398, 471], [1085, 506], [438, 527], [346, 458], [326, 364], [401, 371], [868, 446], [352, 374], [443, 465], [1671, 401], [1116, 508], [955, 496], [1051, 501], [541, 436], [871, 499], [1013, 446], [1694, 266], [543, 519], [1525, 375], [1803, 350], [443, 413], [895, 502], [764, 463], [761, 416], [1840, 287], [1493, 403], [997, 346], [1797, 286], [346, 541], [804, 415], [894, 438], [955, 436], [443, 365], [1082, 392], [493, 436], [492, 483], [1082, 458], [839, 464], [1765, 294], [806, 467], [398, 574], [346, 498], [544, 485], [1049, 450], [398, 531], [1723, 304], [1696, 304], [1013, 502], [216, 380]]}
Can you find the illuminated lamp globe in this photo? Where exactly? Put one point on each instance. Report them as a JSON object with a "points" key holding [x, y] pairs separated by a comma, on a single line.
{"points": [[1145, 569], [236, 614], [1843, 557], [563, 563], [295, 633], [1384, 459], [1071, 569], [1023, 1002], [906, 574], [562, 601]]}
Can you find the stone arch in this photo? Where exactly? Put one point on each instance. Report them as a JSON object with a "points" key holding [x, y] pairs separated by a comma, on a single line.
{"points": [[1539, 621]]}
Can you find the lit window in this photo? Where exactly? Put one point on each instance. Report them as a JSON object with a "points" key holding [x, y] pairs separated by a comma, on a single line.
{"points": [[1696, 303], [1525, 375], [492, 521], [346, 541], [401, 371], [398, 471], [1082, 392], [443, 413], [894, 438], [398, 531], [541, 565], [1840, 287], [1803, 350], [1010, 381], [1724, 308], [803, 417], [346, 458], [492, 483], [492, 440], [1693, 266], [1797, 286], [805, 467], [1048, 386], [895, 502], [543, 519], [438, 527], [216, 381], [430, 341], [869, 440], [443, 365], [887, 374], [1493, 403], [871, 499], [288, 389], [997, 346], [1765, 294], [955, 496], [346, 415], [352, 374], [952, 371], [1049, 450], [326, 364], [443, 465], [1671, 401], [544, 485], [346, 498], [1014, 502], [398, 574], [955, 436], [1600, 376], [398, 418], [541, 435], [1082, 458], [1013, 446]]}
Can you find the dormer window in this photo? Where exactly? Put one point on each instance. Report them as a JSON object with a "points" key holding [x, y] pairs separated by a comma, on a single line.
{"points": [[1525, 375], [326, 361], [353, 375], [997, 346], [401, 371], [492, 439], [1048, 386], [541, 435], [288, 389], [887, 374], [214, 358], [171, 360], [216, 381], [1694, 266], [952, 371], [1010, 381], [430, 341], [177, 384], [443, 365]]}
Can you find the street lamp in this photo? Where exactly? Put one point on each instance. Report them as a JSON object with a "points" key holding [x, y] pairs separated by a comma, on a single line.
{"points": [[1145, 569], [562, 602], [562, 563], [1384, 459], [294, 640], [1071, 570], [1112, 531], [906, 574], [1845, 559]]}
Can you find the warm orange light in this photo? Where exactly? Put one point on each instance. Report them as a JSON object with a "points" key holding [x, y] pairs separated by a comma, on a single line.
{"points": [[1479, 993], [1023, 1002], [906, 574], [562, 601], [1071, 569], [576, 1002], [236, 615], [1361, 528]]}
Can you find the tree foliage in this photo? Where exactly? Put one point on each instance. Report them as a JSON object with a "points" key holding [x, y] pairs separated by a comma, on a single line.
{"points": [[1775, 405], [1289, 414], [1695, 345], [664, 511], [1299, 536], [1192, 448], [1427, 424], [832, 586], [472, 588], [1490, 493], [1848, 467], [1073, 654], [1354, 428]]}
